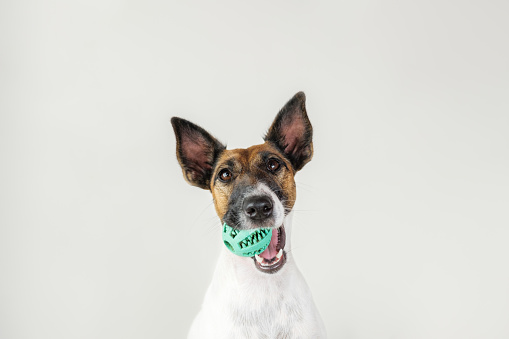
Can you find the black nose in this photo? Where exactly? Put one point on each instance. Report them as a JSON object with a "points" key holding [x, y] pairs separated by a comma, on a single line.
{"points": [[257, 207]]}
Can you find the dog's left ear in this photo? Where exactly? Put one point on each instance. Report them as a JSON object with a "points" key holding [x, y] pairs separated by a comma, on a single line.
{"points": [[197, 152], [291, 132]]}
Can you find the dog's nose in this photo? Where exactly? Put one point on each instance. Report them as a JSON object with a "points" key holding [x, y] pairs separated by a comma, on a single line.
{"points": [[258, 207]]}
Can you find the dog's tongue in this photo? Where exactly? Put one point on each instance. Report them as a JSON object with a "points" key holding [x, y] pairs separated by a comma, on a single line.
{"points": [[271, 251]]}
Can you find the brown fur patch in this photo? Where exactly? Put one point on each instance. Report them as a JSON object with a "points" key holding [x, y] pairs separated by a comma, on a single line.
{"points": [[248, 167]]}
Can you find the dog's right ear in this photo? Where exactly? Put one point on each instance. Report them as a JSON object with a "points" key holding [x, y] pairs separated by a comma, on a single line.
{"points": [[197, 152], [292, 133]]}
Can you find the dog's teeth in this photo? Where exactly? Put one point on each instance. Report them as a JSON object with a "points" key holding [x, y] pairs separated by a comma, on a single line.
{"points": [[272, 262]]}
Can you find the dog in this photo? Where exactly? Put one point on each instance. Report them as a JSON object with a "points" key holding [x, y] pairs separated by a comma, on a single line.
{"points": [[264, 296]]}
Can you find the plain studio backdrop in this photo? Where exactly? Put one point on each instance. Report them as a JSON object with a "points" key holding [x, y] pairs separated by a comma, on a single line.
{"points": [[401, 225]]}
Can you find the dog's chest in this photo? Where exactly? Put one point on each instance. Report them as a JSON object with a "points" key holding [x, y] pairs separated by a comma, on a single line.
{"points": [[267, 314], [259, 308]]}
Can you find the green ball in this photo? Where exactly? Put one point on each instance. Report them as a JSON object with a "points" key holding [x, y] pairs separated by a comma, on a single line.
{"points": [[246, 243]]}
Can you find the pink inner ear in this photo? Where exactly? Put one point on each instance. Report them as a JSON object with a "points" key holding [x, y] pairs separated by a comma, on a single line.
{"points": [[293, 131], [195, 150]]}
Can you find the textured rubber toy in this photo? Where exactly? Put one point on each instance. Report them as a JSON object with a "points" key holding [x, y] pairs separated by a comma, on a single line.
{"points": [[246, 243]]}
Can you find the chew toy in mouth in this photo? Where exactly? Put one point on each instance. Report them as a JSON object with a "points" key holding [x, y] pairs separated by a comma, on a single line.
{"points": [[265, 245], [246, 243]]}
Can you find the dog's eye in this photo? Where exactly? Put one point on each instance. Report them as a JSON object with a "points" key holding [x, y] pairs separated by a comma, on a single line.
{"points": [[225, 175], [273, 165]]}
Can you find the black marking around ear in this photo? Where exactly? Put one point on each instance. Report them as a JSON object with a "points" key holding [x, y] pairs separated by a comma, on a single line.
{"points": [[292, 133], [197, 152]]}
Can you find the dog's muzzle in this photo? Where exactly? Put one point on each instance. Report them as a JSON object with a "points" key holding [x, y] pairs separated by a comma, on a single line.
{"points": [[260, 208]]}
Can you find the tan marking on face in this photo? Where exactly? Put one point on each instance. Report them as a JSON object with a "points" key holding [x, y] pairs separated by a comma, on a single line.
{"points": [[248, 167]]}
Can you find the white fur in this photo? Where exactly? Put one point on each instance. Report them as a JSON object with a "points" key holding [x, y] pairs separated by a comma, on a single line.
{"points": [[242, 302]]}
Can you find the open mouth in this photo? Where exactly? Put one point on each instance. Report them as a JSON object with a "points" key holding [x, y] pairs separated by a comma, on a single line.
{"points": [[274, 257]]}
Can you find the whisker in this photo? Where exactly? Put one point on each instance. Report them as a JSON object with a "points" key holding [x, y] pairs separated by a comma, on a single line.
{"points": [[305, 187]]}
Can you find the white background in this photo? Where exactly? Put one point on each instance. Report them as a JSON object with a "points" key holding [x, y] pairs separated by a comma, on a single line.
{"points": [[401, 227]]}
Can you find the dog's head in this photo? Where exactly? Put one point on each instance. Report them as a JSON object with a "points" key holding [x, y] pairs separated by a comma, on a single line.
{"points": [[252, 187]]}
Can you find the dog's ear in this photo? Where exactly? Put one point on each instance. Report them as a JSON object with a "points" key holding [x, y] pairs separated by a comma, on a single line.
{"points": [[291, 132], [197, 152]]}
